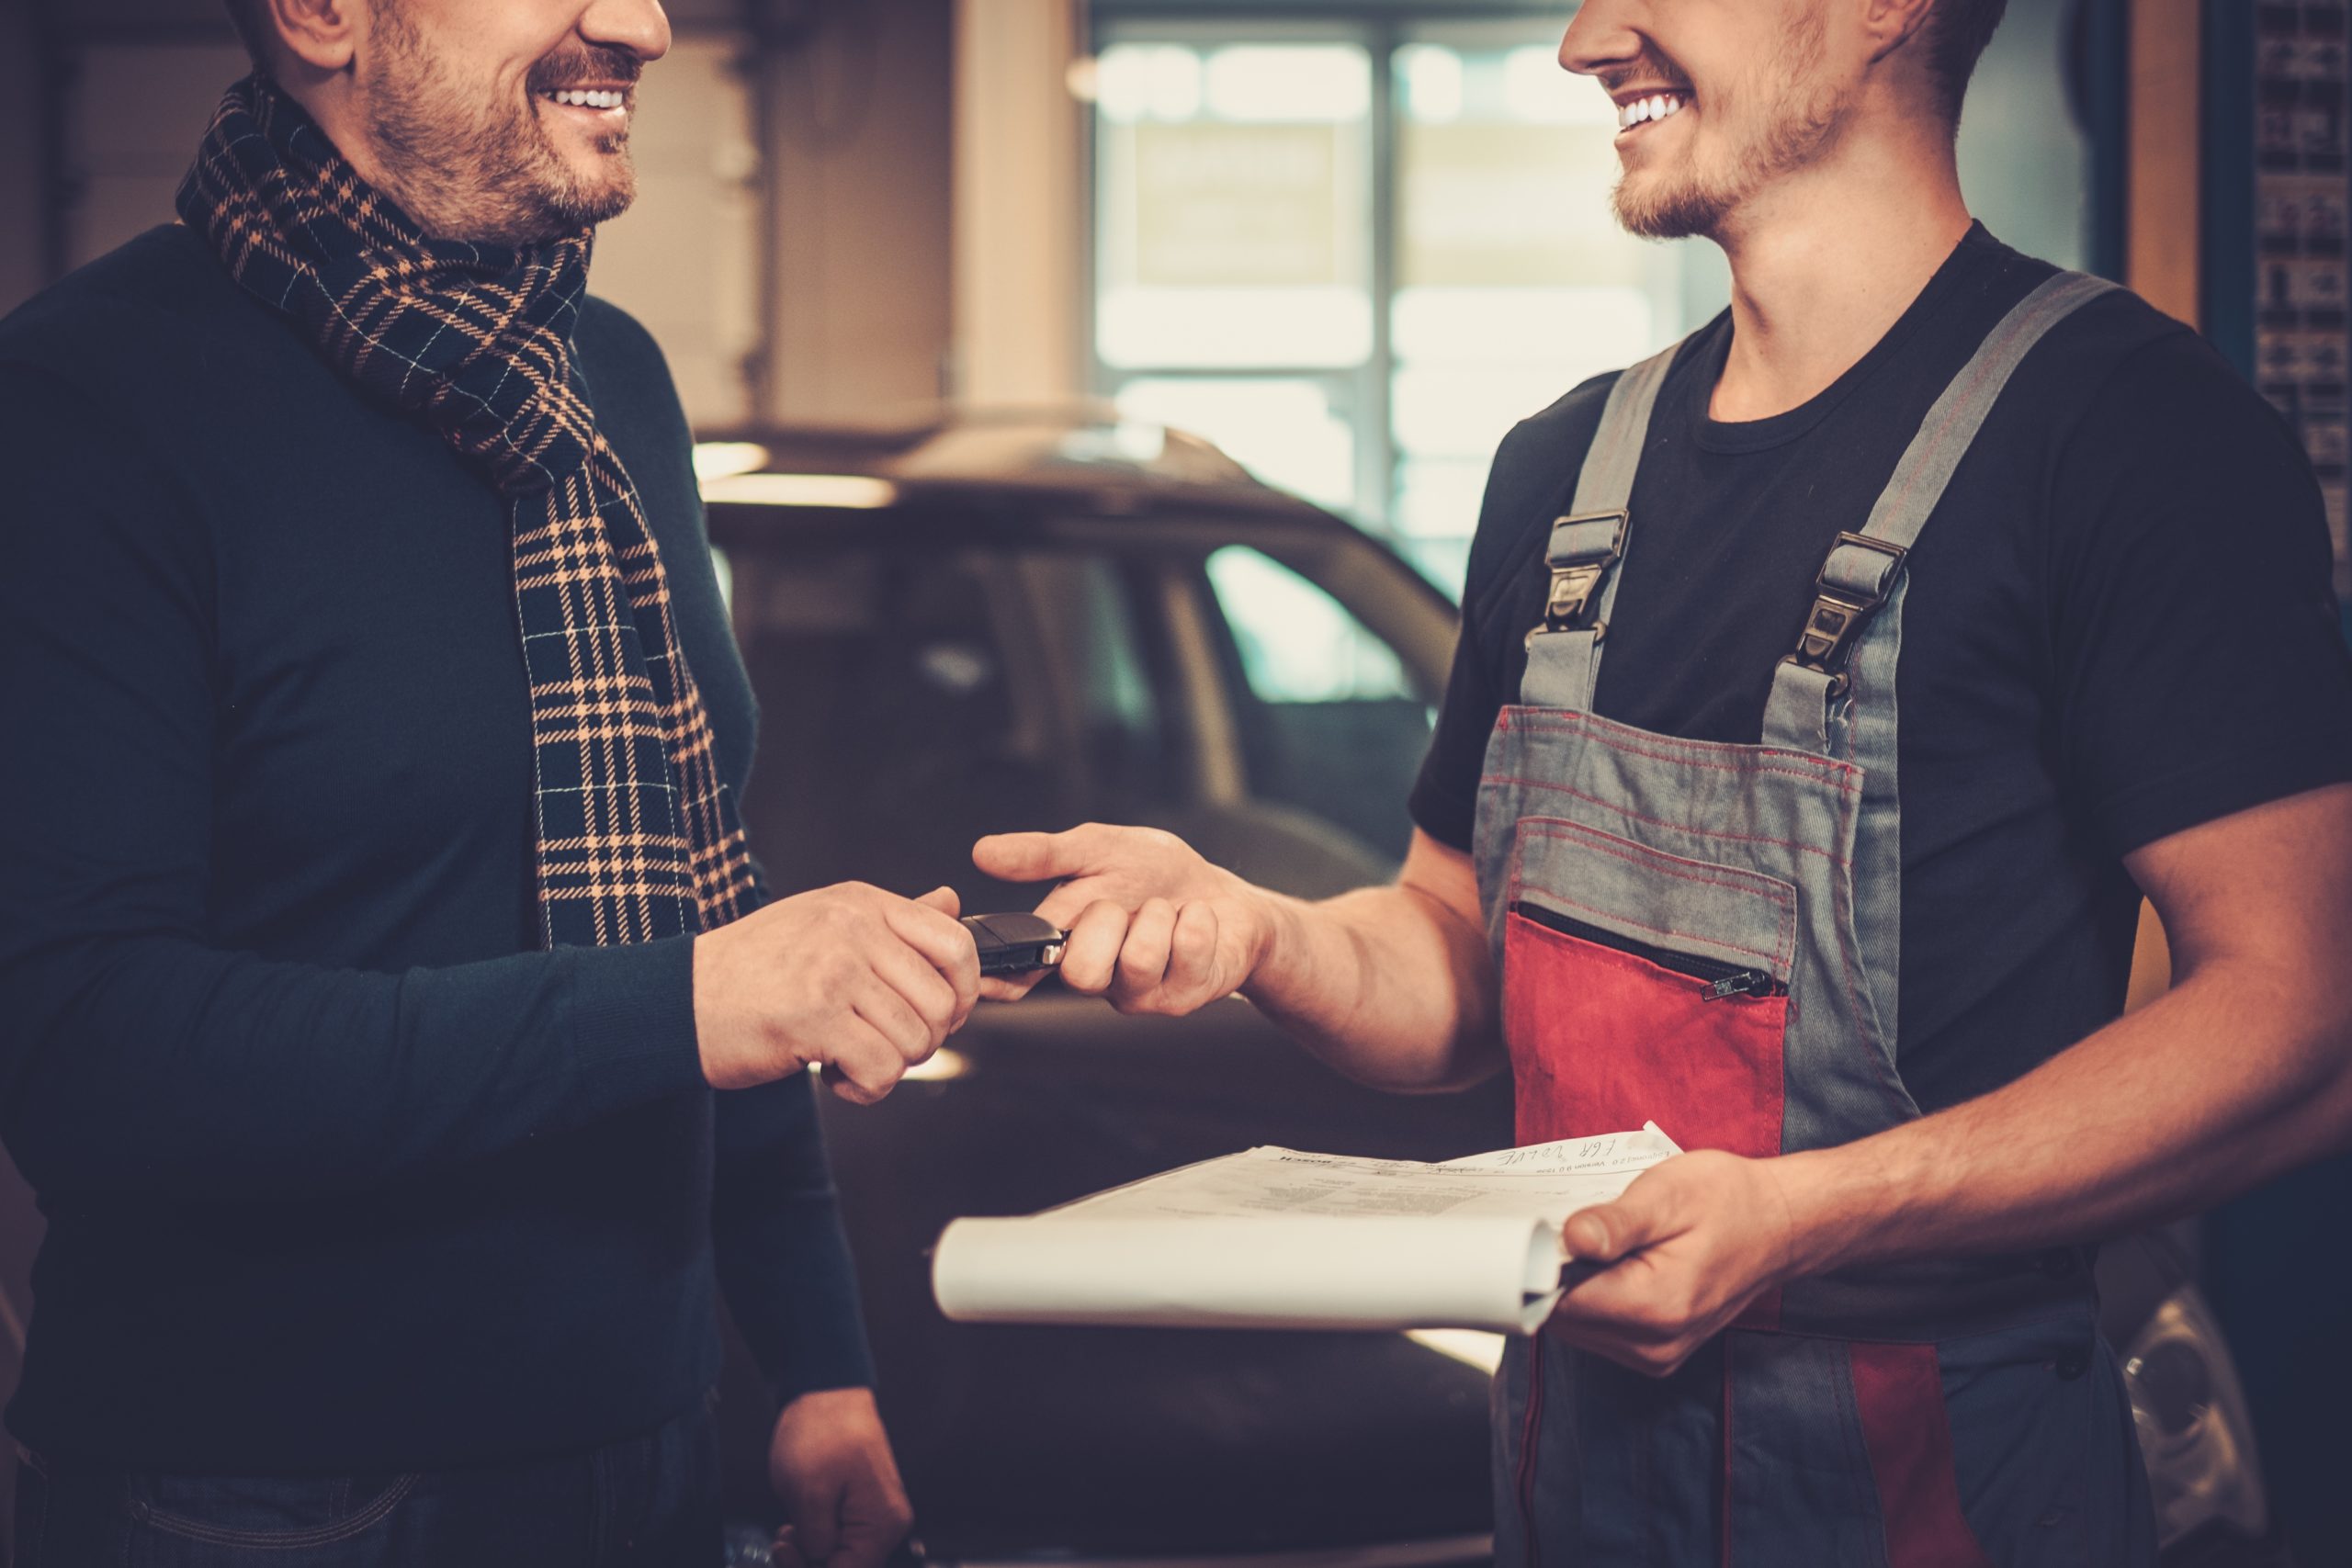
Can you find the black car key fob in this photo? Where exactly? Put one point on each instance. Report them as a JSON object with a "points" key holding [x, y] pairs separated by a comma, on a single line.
{"points": [[1015, 945]]}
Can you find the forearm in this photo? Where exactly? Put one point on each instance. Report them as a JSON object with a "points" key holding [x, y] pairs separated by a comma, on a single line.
{"points": [[2231, 1078], [155, 1065], [1388, 984], [782, 1254]]}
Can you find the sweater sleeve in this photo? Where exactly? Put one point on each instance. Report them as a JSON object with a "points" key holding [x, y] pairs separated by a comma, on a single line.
{"points": [[137, 1056], [782, 1257]]}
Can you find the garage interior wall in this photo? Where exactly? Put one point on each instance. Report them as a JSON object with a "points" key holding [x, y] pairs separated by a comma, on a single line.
{"points": [[789, 247]]}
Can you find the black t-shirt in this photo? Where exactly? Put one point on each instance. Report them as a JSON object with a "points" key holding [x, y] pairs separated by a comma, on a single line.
{"points": [[2119, 623]]}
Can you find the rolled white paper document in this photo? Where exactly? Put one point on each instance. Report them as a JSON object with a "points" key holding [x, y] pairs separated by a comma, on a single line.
{"points": [[1496, 1273]]}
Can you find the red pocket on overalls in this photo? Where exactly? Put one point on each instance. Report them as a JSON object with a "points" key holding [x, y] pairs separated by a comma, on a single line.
{"points": [[1609, 1030]]}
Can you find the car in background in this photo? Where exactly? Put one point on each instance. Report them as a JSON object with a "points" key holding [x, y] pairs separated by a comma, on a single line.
{"points": [[980, 625], [990, 626]]}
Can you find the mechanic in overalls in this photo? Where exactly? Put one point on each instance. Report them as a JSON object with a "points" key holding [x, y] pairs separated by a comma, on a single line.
{"points": [[1830, 689]]}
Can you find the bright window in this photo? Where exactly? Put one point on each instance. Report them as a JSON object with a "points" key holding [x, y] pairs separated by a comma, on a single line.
{"points": [[1353, 243], [1354, 255]]}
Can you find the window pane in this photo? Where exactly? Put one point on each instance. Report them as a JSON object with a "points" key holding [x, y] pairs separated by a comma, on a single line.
{"points": [[1297, 643], [1514, 281], [1281, 429], [1328, 723], [1234, 208]]}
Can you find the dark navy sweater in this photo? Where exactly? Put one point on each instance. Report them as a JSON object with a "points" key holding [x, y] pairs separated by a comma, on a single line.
{"points": [[341, 1172]]}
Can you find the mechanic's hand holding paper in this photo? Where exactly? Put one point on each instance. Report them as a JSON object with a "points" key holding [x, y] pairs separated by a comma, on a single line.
{"points": [[1156, 927]]}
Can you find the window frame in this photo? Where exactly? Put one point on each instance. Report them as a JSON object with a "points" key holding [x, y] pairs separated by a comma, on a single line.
{"points": [[1365, 394]]}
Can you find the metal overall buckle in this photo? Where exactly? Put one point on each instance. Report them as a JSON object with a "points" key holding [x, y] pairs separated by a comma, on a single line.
{"points": [[1840, 614], [1574, 602]]}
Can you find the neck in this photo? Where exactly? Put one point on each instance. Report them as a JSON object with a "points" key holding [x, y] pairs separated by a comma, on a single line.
{"points": [[1824, 261], [328, 98]]}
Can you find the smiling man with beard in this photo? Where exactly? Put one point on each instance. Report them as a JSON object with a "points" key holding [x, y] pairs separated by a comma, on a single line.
{"points": [[1831, 687], [375, 920]]}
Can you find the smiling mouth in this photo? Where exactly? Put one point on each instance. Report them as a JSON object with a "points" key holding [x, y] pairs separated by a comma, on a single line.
{"points": [[1636, 113], [597, 100]]}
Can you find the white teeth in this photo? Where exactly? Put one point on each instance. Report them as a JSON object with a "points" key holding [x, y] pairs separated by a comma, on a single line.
{"points": [[582, 98], [1643, 110]]}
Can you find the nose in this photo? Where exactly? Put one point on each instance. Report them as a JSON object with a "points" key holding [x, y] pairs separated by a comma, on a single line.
{"points": [[1601, 37], [637, 26]]}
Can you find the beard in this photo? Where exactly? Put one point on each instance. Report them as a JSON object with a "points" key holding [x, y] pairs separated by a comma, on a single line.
{"points": [[1798, 118], [467, 168]]}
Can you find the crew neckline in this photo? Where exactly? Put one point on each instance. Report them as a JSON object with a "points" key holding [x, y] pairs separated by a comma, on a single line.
{"points": [[1976, 246]]}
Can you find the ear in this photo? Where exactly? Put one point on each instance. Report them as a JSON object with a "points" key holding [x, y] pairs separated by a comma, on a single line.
{"points": [[322, 35], [1890, 24]]}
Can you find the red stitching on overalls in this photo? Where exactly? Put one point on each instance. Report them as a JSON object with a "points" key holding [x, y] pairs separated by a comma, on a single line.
{"points": [[1885, 1074], [1782, 936], [1688, 762], [1728, 1451], [1542, 827], [1565, 719], [1655, 931], [1660, 821], [1890, 1090]]}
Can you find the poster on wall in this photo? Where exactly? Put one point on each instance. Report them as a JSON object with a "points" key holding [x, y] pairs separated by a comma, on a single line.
{"points": [[2300, 281]]}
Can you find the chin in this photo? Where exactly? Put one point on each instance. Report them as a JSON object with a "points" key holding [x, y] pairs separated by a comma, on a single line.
{"points": [[1662, 204]]}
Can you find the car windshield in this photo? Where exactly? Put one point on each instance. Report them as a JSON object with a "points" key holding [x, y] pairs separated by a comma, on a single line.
{"points": [[919, 689]]}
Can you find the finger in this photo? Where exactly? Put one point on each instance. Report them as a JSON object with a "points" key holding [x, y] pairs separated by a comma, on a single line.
{"points": [[1609, 1231], [922, 987], [942, 899], [1091, 953], [863, 1544], [1191, 959], [784, 1551], [1618, 1302], [893, 1018], [932, 931], [1011, 987], [816, 1522], [1035, 857], [863, 1066], [1143, 956]]}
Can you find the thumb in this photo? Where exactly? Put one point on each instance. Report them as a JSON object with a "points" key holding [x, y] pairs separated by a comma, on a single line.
{"points": [[816, 1522], [1027, 857], [1611, 1231], [942, 899]]}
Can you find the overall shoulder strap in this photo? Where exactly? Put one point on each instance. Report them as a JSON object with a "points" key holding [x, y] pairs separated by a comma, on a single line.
{"points": [[1864, 569], [1585, 546]]}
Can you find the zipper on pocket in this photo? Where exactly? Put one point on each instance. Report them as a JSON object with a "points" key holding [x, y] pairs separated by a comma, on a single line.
{"points": [[1722, 980]]}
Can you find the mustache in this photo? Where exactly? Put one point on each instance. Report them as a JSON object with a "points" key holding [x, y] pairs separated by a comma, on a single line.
{"points": [[1650, 66], [600, 63]]}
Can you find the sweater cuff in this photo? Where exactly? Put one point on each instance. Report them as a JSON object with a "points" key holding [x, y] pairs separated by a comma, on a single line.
{"points": [[633, 1019]]}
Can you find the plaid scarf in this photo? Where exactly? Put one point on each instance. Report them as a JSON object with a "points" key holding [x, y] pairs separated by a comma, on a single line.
{"points": [[637, 839]]}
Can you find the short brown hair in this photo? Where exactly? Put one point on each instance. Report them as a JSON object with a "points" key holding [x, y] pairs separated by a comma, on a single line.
{"points": [[1958, 31]]}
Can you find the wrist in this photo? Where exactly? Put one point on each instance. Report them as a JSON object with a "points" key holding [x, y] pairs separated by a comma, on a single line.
{"points": [[1274, 936], [1834, 1198], [721, 1028]]}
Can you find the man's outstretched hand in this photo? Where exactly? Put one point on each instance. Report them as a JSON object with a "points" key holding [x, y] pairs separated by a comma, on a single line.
{"points": [[1152, 926]]}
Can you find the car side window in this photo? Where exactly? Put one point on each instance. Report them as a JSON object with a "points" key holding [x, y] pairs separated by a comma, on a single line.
{"points": [[1297, 643], [1329, 721], [1086, 616]]}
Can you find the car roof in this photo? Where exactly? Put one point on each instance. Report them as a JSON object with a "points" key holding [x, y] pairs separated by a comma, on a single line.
{"points": [[1071, 462]]}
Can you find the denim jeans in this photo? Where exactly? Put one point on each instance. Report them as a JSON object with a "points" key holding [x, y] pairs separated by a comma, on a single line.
{"points": [[650, 1501]]}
